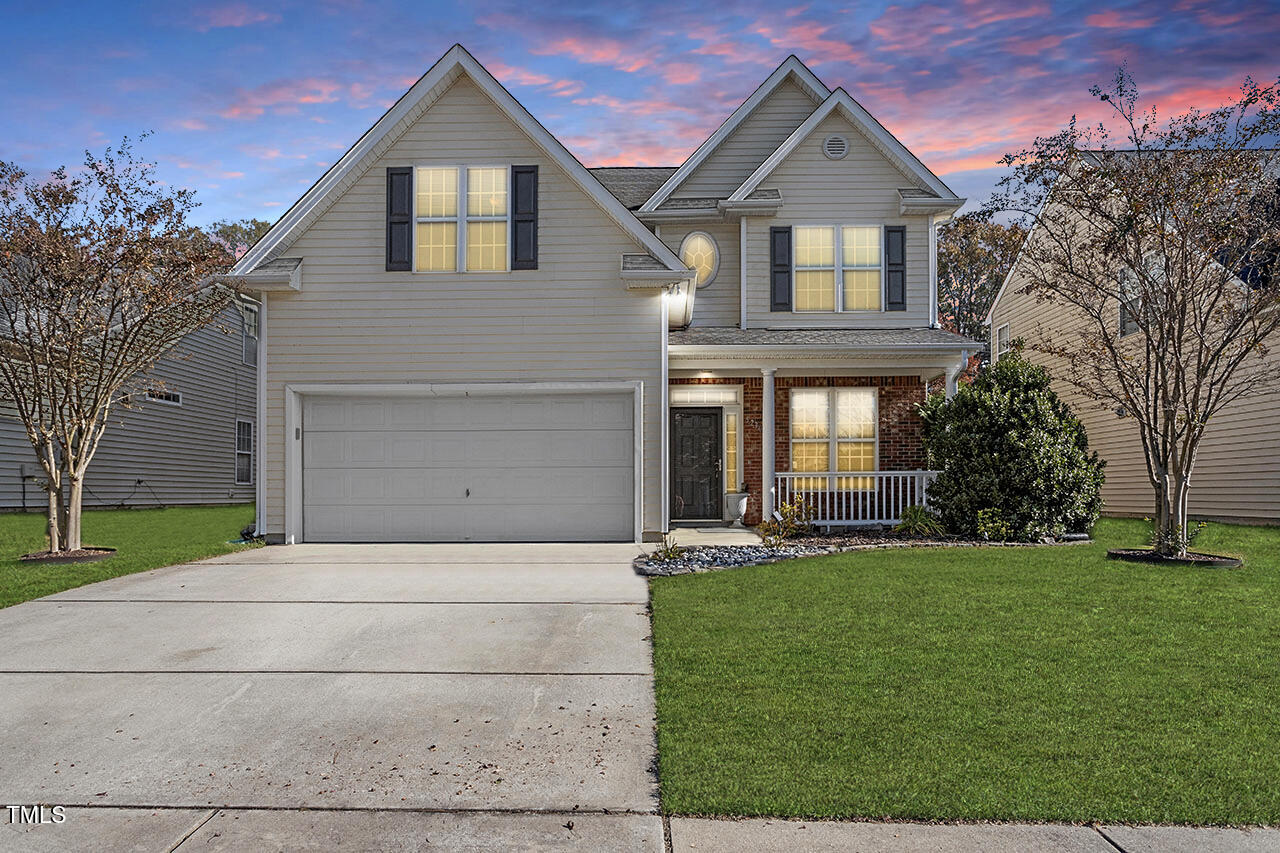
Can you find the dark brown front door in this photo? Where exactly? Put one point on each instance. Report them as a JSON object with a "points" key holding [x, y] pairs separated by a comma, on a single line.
{"points": [[696, 485]]}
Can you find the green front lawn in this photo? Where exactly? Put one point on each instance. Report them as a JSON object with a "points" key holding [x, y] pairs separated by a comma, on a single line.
{"points": [[144, 539], [1045, 684]]}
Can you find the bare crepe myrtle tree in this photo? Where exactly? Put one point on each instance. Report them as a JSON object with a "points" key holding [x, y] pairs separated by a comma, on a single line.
{"points": [[1164, 241], [100, 275], [975, 253]]}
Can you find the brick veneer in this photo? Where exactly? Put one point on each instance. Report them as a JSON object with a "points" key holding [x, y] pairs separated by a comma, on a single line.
{"points": [[901, 432]]}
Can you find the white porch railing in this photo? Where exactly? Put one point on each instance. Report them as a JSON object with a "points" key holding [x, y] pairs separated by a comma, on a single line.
{"points": [[843, 498]]}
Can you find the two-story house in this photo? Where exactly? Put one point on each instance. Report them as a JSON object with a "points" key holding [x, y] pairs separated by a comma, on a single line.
{"points": [[189, 439], [467, 335]]}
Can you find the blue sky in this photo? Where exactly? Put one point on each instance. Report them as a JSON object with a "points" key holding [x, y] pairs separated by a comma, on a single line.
{"points": [[250, 101]]}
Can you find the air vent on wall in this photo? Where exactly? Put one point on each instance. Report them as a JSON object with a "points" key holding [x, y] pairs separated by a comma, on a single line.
{"points": [[835, 147]]}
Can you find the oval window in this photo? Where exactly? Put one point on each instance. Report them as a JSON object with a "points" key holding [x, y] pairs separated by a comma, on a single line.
{"points": [[700, 253]]}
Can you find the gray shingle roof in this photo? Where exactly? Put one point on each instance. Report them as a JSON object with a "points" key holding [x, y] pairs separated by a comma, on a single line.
{"points": [[278, 265], [688, 203], [723, 336], [632, 185]]}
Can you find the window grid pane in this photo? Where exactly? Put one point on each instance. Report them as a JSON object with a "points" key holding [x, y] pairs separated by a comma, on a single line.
{"points": [[815, 247], [486, 192], [809, 414], [437, 192], [862, 290], [699, 254], [815, 290], [437, 246], [487, 245], [861, 246]]}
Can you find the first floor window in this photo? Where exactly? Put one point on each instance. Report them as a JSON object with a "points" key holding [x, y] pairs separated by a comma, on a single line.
{"points": [[838, 268], [833, 430], [731, 437], [244, 453], [478, 224]]}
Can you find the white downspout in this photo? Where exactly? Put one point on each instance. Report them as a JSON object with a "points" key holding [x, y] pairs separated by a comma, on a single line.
{"points": [[664, 439], [933, 272], [260, 423], [742, 272]]}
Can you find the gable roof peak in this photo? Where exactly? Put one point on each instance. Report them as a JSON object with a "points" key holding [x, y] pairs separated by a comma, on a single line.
{"points": [[455, 63], [884, 141], [790, 68]]}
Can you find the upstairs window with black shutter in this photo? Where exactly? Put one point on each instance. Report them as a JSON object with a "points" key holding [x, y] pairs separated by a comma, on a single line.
{"points": [[399, 218], [524, 217]]}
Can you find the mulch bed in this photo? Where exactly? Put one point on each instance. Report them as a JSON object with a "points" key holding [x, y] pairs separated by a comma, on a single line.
{"points": [[80, 555], [710, 558], [1146, 555]]}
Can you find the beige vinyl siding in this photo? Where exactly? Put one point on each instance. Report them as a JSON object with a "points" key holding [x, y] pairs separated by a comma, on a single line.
{"points": [[183, 454], [861, 189], [756, 138], [716, 304], [571, 319], [1237, 473]]}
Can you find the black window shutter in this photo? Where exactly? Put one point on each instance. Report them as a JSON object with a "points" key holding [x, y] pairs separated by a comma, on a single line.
{"points": [[524, 217], [780, 269], [895, 267], [399, 218]]}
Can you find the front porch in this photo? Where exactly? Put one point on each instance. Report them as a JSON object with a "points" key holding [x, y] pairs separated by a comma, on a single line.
{"points": [[849, 446]]}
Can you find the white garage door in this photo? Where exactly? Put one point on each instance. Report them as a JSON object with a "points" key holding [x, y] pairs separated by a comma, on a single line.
{"points": [[516, 468]]}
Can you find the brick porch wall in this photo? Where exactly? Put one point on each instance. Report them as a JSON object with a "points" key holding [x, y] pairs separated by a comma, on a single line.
{"points": [[901, 431]]}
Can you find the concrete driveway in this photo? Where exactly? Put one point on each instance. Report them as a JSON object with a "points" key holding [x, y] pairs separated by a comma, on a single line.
{"points": [[461, 695]]}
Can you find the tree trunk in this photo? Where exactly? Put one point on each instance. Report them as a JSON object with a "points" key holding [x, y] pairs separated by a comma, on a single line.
{"points": [[73, 513], [1169, 533], [55, 515]]}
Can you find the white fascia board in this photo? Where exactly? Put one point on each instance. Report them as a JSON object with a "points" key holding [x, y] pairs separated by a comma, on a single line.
{"points": [[881, 138], [792, 66], [455, 62]]}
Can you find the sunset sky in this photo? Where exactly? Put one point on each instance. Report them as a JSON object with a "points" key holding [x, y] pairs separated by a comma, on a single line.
{"points": [[251, 101]]}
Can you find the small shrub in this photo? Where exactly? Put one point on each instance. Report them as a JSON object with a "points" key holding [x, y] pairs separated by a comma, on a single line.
{"points": [[667, 550], [992, 526], [920, 521], [1176, 538], [789, 521]]}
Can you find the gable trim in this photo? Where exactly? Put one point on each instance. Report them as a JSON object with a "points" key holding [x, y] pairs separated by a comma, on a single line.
{"points": [[792, 66], [884, 141], [455, 62]]}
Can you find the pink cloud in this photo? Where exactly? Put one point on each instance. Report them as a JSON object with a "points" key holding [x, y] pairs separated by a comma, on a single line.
{"points": [[681, 73], [283, 96], [596, 51], [811, 37], [231, 15], [514, 76], [1032, 47], [1113, 20], [643, 107], [191, 124]]}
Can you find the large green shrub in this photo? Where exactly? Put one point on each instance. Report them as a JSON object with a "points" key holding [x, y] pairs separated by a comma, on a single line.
{"points": [[1007, 443]]}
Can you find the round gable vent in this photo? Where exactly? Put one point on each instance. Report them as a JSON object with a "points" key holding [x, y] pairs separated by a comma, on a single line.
{"points": [[835, 147]]}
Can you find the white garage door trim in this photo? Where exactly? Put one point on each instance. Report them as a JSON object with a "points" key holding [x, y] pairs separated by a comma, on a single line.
{"points": [[293, 395]]}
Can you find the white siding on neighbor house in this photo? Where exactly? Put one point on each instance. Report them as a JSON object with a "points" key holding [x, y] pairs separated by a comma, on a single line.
{"points": [[1237, 473], [861, 189], [182, 454], [569, 320], [751, 142], [715, 304]]}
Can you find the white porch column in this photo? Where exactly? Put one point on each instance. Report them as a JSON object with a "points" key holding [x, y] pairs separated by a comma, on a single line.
{"points": [[766, 445]]}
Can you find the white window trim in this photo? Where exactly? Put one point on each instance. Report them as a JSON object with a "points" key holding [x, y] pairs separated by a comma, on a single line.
{"points": [[244, 334], [715, 248], [833, 429], [726, 409], [251, 453], [152, 398], [460, 218], [839, 268], [1135, 311], [1001, 353]]}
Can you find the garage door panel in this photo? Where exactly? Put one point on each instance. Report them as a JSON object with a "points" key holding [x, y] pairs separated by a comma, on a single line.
{"points": [[515, 468]]}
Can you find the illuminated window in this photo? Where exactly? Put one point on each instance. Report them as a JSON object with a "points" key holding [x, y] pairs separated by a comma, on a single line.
{"points": [[443, 225], [731, 479], [815, 268], [860, 264], [700, 253], [833, 430]]}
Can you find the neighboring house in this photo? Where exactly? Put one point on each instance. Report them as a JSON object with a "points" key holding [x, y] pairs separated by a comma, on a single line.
{"points": [[470, 336], [1237, 472], [189, 440]]}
